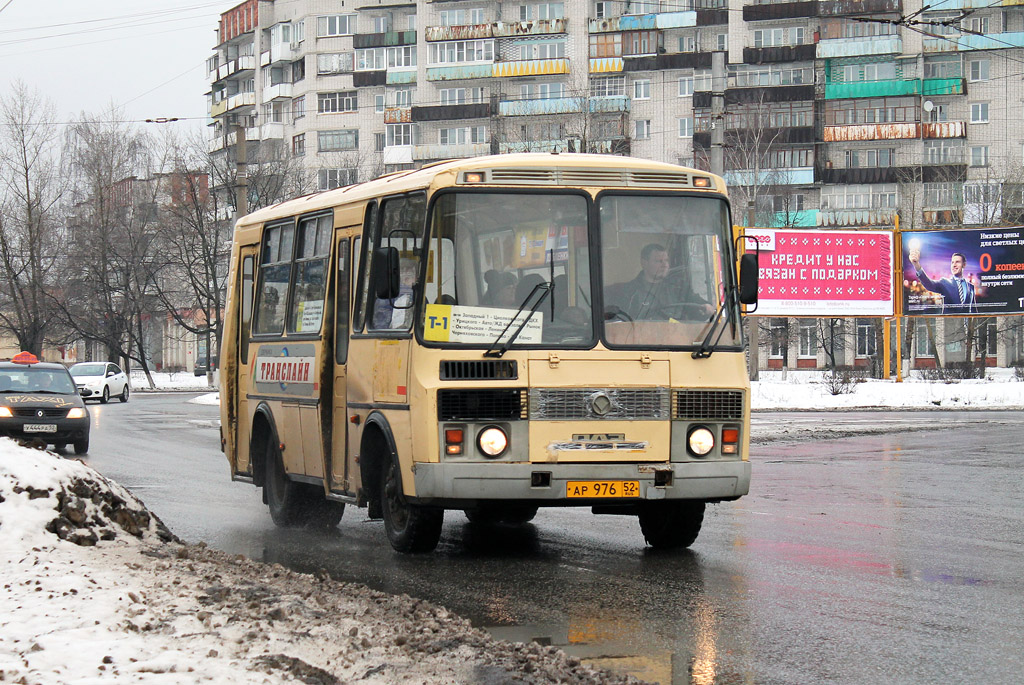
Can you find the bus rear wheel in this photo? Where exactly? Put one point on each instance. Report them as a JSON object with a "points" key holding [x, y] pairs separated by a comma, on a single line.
{"points": [[671, 524], [409, 527]]}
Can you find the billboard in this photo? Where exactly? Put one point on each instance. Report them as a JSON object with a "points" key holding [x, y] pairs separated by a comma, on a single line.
{"points": [[824, 272], [963, 272]]}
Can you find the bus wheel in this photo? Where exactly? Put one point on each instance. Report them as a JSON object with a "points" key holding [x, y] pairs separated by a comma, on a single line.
{"points": [[671, 524], [512, 515], [284, 497], [322, 513], [410, 527]]}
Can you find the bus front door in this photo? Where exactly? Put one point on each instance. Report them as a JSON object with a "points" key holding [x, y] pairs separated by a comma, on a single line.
{"points": [[242, 419]]}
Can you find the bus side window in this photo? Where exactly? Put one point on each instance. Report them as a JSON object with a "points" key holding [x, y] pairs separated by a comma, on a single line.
{"points": [[246, 304], [402, 228], [314, 246], [365, 250], [342, 303], [275, 271]]}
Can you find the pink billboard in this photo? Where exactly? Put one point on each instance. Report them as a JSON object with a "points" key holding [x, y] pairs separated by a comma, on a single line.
{"points": [[824, 273]]}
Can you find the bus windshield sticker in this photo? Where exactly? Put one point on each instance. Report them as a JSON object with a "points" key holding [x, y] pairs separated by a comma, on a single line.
{"points": [[465, 324]]}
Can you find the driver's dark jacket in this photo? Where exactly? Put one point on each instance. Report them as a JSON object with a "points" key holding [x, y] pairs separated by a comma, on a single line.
{"points": [[642, 300]]}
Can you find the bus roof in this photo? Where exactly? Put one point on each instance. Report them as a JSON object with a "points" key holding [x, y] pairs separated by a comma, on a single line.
{"points": [[518, 169]]}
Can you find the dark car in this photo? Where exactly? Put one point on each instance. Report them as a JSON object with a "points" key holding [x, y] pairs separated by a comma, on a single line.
{"points": [[201, 366], [39, 401]]}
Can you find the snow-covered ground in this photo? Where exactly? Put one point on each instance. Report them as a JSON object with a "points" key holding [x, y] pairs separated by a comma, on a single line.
{"points": [[95, 590]]}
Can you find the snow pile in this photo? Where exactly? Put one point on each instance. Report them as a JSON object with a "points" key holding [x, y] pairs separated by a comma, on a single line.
{"points": [[95, 589]]}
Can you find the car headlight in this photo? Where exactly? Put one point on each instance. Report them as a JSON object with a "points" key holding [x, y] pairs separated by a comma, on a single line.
{"points": [[76, 413], [492, 441], [5, 412], [701, 441]]}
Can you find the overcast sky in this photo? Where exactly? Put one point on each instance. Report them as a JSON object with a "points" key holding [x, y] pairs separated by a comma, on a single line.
{"points": [[147, 57]]}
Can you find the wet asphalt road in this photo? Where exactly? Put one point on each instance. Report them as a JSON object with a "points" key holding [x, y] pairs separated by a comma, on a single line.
{"points": [[892, 558]]}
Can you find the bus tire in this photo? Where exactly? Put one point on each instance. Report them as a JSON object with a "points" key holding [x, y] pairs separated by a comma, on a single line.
{"points": [[671, 524], [285, 497], [322, 514], [410, 528], [512, 515]]}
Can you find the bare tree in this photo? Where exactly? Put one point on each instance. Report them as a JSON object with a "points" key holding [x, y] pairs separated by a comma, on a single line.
{"points": [[111, 298], [31, 186]]}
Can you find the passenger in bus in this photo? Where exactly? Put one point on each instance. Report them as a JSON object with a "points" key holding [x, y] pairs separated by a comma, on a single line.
{"points": [[501, 289], [396, 314], [525, 286], [653, 295], [576, 316]]}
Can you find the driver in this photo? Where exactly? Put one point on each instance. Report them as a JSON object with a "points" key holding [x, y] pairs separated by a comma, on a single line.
{"points": [[653, 296]]}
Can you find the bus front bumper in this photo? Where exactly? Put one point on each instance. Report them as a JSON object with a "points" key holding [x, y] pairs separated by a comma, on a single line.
{"points": [[448, 484]]}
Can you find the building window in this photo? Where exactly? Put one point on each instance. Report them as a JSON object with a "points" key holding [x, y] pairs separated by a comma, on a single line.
{"points": [[336, 63], [979, 155], [808, 339], [335, 25], [865, 338], [938, 114], [606, 45], [460, 51], [399, 134], [686, 127], [882, 157], [379, 142], [643, 129], [778, 338], [601, 9], [642, 89], [371, 59], [299, 145], [541, 91], [988, 334], [298, 107], [404, 56], [378, 103], [686, 86], [329, 179], [333, 141], [608, 86], [978, 69], [722, 41], [552, 49], [333, 103], [380, 25], [944, 151], [463, 135], [640, 42], [979, 112], [461, 96], [922, 339], [402, 96]]}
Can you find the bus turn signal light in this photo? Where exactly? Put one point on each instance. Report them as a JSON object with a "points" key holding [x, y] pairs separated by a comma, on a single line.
{"points": [[701, 182], [453, 440], [730, 440]]}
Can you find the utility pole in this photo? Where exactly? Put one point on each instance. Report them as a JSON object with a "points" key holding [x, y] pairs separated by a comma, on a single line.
{"points": [[718, 84], [241, 179]]}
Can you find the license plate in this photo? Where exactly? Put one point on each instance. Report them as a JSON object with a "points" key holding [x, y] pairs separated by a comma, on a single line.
{"points": [[602, 488], [40, 428]]}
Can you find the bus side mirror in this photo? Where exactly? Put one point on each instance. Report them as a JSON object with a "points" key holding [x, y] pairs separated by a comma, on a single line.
{"points": [[748, 279], [386, 272]]}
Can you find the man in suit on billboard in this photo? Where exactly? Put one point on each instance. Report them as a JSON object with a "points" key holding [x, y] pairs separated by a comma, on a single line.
{"points": [[957, 292]]}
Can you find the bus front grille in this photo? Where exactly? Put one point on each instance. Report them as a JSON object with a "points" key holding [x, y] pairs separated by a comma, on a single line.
{"points": [[481, 405], [708, 404], [556, 404], [480, 370]]}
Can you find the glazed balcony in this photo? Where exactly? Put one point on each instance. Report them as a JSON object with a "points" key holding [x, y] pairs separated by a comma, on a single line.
{"points": [[478, 110], [894, 88], [681, 60], [967, 42], [780, 53], [426, 153], [500, 29], [282, 52], [570, 105], [841, 8], [795, 176], [383, 40], [780, 10], [856, 217], [854, 47], [905, 131], [644, 22]]}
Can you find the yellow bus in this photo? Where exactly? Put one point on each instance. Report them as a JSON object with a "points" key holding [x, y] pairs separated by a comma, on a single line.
{"points": [[492, 335]]}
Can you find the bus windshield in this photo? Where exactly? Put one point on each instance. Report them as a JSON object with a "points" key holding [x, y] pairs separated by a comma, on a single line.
{"points": [[493, 250], [664, 270]]}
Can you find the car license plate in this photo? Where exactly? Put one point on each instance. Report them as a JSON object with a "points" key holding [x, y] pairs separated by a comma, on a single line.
{"points": [[602, 488], [40, 428]]}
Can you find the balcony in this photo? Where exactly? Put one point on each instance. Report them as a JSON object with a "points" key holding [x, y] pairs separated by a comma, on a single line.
{"points": [[840, 8], [779, 53], [644, 22], [277, 91], [966, 42], [856, 217], [240, 101], [221, 142], [785, 10], [282, 52], [479, 110], [397, 154], [235, 66], [736, 136], [807, 218], [756, 95], [383, 40], [267, 131], [926, 173], [893, 88], [605, 65], [905, 131], [530, 67], [679, 60], [218, 108], [431, 152], [500, 29], [400, 75], [514, 108], [853, 47], [613, 146], [796, 176], [398, 115], [456, 73]]}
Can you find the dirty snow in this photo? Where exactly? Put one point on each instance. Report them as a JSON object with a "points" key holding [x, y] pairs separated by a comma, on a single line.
{"points": [[112, 596]]}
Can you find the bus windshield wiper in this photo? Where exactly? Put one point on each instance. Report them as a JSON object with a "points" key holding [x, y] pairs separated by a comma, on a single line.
{"points": [[707, 346], [545, 290]]}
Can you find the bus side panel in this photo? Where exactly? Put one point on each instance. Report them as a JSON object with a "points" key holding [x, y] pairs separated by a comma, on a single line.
{"points": [[229, 389]]}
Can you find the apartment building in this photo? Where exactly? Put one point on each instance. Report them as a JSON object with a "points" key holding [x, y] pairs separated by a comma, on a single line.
{"points": [[838, 113]]}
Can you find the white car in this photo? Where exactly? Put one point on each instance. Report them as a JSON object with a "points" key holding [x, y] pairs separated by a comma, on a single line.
{"points": [[100, 381]]}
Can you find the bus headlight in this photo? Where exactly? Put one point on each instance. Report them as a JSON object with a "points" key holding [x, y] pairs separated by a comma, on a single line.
{"points": [[492, 441], [701, 441]]}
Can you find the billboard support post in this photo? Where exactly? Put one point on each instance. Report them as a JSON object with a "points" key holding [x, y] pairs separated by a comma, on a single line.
{"points": [[898, 273]]}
